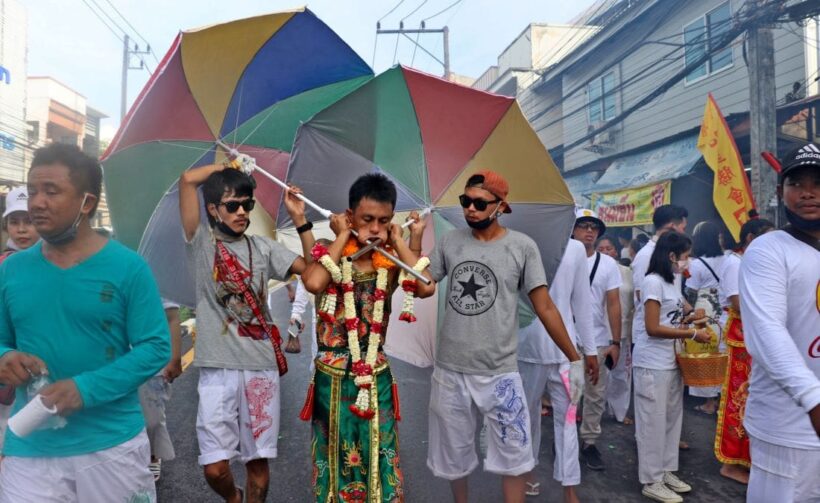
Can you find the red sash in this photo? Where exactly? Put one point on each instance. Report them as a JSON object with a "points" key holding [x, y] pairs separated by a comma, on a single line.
{"points": [[273, 333]]}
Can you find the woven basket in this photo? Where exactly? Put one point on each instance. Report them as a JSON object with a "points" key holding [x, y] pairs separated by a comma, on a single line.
{"points": [[702, 369]]}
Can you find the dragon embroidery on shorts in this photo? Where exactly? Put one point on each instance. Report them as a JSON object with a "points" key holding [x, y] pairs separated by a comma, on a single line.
{"points": [[511, 413], [259, 392]]}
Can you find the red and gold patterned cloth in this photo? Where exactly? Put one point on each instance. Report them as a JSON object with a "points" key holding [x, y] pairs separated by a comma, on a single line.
{"points": [[731, 439]]}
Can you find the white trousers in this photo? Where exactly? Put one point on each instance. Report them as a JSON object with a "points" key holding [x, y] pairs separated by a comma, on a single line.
{"points": [[594, 402], [238, 414], [658, 421], [619, 387], [119, 473], [535, 377], [783, 474], [154, 394]]}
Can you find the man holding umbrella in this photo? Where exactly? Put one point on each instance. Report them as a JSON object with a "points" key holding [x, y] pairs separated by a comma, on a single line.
{"points": [[238, 346], [476, 368]]}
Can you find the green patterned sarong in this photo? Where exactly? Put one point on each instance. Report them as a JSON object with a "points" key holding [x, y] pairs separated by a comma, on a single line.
{"points": [[354, 459]]}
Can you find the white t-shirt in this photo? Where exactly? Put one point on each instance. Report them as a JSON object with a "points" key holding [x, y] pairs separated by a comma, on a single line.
{"points": [[655, 352], [572, 297], [607, 277], [727, 268], [780, 307]]}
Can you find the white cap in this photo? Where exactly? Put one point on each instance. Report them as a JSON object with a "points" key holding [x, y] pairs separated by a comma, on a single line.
{"points": [[16, 200], [587, 214]]}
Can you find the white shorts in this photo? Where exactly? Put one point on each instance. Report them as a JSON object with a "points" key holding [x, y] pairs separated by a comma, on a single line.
{"points": [[119, 473], [783, 474], [238, 414], [456, 400]]}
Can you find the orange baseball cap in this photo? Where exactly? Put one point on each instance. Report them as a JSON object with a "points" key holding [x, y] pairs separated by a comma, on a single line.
{"points": [[495, 184]]}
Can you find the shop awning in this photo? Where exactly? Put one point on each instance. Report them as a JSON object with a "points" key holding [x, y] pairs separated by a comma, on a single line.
{"points": [[667, 162], [581, 186]]}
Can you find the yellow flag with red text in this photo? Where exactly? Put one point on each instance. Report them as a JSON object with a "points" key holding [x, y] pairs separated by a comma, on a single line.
{"points": [[731, 193]]}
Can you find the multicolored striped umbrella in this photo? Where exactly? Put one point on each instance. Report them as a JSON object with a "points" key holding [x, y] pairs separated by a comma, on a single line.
{"points": [[249, 83], [429, 135]]}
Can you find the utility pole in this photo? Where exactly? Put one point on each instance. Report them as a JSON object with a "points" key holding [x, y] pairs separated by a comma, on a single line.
{"points": [[445, 32], [127, 52], [763, 116]]}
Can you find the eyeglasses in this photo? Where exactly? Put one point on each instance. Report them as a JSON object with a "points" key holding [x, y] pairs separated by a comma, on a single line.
{"points": [[588, 226], [233, 206], [480, 204]]}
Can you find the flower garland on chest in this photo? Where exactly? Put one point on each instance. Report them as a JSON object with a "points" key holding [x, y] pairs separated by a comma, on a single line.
{"points": [[342, 279]]}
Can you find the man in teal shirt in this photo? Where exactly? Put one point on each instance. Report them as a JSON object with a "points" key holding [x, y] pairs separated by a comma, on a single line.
{"points": [[86, 312]]}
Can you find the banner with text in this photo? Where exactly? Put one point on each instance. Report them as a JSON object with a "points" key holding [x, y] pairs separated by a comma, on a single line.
{"points": [[633, 206]]}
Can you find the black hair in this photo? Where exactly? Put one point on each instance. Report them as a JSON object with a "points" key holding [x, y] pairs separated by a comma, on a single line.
{"points": [[607, 237], [373, 186], [84, 171], [668, 213], [755, 227], [706, 240], [639, 242], [222, 183], [670, 242]]}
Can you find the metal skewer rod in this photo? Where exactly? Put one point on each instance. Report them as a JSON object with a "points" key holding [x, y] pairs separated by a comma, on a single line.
{"points": [[324, 212], [372, 244]]}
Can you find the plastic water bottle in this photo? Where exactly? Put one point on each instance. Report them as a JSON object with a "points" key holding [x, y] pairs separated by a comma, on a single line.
{"points": [[33, 389]]}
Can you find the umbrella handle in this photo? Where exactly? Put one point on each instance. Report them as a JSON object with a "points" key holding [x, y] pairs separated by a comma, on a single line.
{"points": [[232, 151], [422, 214]]}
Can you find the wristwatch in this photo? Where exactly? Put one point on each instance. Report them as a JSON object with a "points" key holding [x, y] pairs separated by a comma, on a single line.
{"points": [[615, 343], [304, 228]]}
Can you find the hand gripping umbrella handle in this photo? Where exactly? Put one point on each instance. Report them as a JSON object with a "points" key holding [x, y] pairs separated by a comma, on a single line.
{"points": [[325, 213], [422, 214]]}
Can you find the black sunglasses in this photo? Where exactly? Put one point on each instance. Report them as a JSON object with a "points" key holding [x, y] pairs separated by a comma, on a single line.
{"points": [[480, 204], [233, 206]]}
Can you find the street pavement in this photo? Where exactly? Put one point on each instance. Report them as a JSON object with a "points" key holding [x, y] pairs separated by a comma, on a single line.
{"points": [[182, 480]]}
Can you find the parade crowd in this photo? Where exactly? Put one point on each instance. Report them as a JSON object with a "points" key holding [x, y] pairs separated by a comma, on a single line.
{"points": [[89, 349]]}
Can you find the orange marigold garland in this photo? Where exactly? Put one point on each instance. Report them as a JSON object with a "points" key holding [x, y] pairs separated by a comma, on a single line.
{"points": [[342, 278]]}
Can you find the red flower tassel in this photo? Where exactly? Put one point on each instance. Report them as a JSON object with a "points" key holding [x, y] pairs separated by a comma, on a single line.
{"points": [[364, 414], [405, 316], [396, 408], [307, 409]]}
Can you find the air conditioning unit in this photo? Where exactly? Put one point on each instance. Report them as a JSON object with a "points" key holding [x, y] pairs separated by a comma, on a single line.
{"points": [[602, 142]]}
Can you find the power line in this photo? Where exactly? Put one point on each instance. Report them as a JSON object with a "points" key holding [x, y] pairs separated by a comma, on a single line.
{"points": [[391, 10], [134, 30], [414, 10], [765, 13], [112, 30], [566, 39], [442, 11]]}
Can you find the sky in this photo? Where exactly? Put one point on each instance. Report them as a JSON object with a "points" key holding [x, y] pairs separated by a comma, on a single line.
{"points": [[68, 42]]}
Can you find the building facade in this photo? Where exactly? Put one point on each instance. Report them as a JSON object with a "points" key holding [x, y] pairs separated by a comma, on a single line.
{"points": [[636, 48], [13, 68]]}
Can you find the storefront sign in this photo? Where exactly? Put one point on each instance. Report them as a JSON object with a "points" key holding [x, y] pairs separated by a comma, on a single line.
{"points": [[634, 206]]}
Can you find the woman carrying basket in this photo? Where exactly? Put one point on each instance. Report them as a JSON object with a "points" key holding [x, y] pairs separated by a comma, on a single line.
{"points": [[656, 376]]}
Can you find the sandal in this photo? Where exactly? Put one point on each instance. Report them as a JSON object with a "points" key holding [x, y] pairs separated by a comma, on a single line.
{"points": [[704, 410], [534, 488], [628, 420]]}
